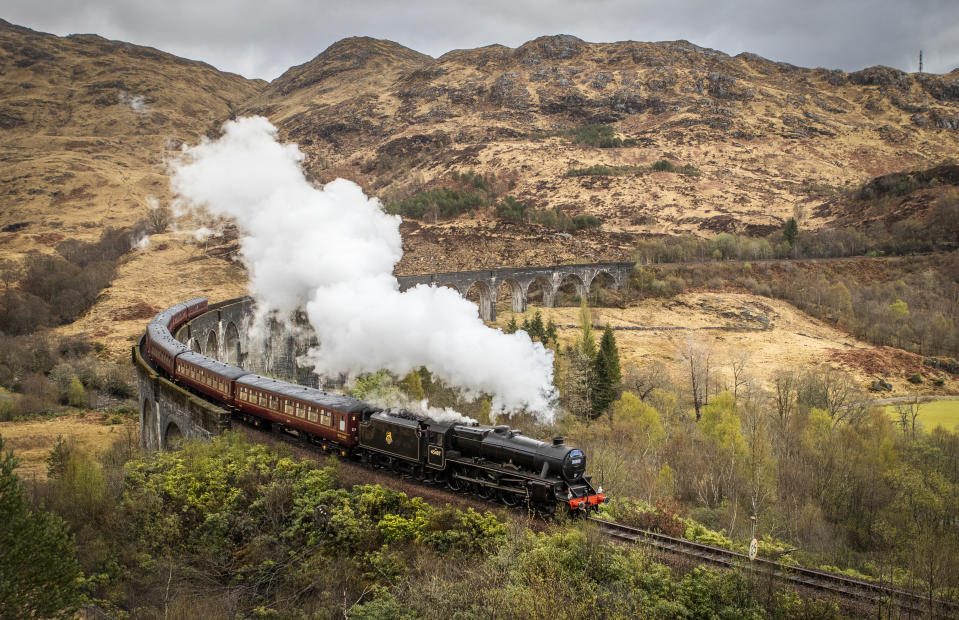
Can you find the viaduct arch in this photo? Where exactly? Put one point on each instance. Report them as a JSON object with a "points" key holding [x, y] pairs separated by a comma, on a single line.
{"points": [[519, 279]]}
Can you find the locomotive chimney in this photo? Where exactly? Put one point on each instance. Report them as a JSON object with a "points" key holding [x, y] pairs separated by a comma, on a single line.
{"points": [[558, 441]]}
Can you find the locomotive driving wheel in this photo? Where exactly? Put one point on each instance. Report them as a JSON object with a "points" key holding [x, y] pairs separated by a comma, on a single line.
{"points": [[485, 492], [510, 499], [454, 483]]}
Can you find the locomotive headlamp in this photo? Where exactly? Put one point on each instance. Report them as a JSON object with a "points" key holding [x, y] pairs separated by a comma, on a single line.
{"points": [[600, 490]]}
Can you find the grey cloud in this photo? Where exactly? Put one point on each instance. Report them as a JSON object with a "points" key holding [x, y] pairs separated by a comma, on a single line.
{"points": [[262, 39]]}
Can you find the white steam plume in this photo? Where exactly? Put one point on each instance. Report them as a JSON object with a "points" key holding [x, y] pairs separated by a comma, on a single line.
{"points": [[331, 250]]}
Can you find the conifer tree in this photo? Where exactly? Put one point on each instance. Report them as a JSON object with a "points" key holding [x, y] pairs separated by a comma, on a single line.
{"points": [[536, 329], [551, 335], [38, 559], [512, 327], [606, 373]]}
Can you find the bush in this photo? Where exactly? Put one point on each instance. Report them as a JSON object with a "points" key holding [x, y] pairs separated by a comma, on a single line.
{"points": [[76, 395], [664, 165], [438, 203], [916, 378], [8, 408], [57, 288], [117, 382], [597, 135]]}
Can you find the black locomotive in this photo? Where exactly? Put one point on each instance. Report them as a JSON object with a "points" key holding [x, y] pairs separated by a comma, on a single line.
{"points": [[492, 462]]}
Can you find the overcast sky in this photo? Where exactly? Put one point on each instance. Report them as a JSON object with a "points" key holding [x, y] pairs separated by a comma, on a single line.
{"points": [[262, 38]]}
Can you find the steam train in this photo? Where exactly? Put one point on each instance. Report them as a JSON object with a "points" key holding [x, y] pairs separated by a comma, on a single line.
{"points": [[492, 462]]}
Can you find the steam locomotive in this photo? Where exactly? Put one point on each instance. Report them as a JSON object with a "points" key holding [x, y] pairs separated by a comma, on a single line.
{"points": [[492, 462]]}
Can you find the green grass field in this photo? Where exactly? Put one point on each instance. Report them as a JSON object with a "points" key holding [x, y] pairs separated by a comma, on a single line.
{"points": [[944, 413]]}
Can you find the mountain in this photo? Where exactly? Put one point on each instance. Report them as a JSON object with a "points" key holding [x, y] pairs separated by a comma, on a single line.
{"points": [[557, 123], [87, 124]]}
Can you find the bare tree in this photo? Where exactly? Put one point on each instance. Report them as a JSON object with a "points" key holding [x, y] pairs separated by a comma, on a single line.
{"points": [[738, 363], [641, 381], [908, 413], [844, 399], [696, 356]]}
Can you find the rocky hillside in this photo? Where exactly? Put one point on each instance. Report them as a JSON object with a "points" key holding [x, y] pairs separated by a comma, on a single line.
{"points": [[88, 124], [765, 138]]}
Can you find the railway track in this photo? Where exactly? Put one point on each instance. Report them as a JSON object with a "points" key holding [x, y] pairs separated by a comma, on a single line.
{"points": [[846, 587]]}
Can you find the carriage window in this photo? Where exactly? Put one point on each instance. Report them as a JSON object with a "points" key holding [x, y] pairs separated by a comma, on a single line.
{"points": [[325, 418], [262, 399], [312, 414], [342, 424], [300, 410], [287, 406], [274, 403]]}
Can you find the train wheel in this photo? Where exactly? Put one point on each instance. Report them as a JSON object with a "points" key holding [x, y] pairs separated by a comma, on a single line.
{"points": [[454, 483], [485, 492], [510, 499]]}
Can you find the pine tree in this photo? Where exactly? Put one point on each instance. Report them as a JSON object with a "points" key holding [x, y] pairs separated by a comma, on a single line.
{"points": [[606, 373], [536, 329], [791, 231], [38, 557], [512, 327], [551, 335]]}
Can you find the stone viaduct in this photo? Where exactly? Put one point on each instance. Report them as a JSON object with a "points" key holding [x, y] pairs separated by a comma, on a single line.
{"points": [[168, 412], [519, 280]]}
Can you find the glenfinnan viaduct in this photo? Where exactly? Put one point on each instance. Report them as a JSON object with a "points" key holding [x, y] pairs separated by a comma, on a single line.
{"points": [[550, 279]]}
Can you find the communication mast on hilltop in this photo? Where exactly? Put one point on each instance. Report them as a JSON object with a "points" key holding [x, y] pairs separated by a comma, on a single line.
{"points": [[920, 61]]}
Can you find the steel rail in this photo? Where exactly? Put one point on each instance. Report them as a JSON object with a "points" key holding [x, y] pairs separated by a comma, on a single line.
{"points": [[843, 585]]}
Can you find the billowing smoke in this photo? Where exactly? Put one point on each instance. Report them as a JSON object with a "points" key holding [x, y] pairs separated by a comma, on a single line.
{"points": [[331, 250]]}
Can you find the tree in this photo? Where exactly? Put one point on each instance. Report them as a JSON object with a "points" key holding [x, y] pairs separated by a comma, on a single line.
{"points": [[606, 373], [587, 342], [639, 422], [512, 327], [791, 231], [536, 329], [641, 381], [551, 335], [412, 385], [579, 377], [696, 356], [38, 558], [908, 414]]}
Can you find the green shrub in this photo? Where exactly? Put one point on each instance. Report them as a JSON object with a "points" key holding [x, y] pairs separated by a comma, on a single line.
{"points": [[916, 378], [439, 203], [597, 135], [76, 395]]}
